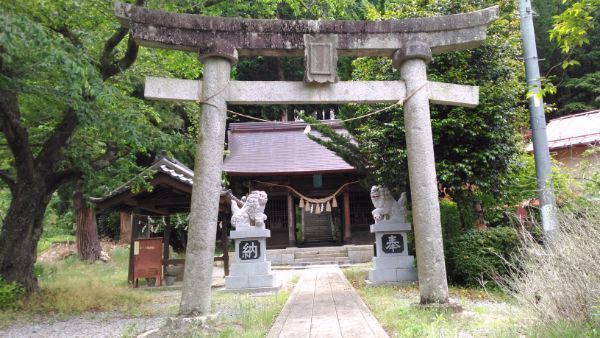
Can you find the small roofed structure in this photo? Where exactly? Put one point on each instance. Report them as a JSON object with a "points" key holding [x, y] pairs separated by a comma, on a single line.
{"points": [[569, 136], [314, 198], [166, 191], [171, 183]]}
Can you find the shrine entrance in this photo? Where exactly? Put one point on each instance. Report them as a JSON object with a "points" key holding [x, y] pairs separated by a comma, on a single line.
{"points": [[314, 195], [219, 41]]}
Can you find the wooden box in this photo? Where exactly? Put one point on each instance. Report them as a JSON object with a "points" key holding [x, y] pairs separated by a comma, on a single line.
{"points": [[147, 259]]}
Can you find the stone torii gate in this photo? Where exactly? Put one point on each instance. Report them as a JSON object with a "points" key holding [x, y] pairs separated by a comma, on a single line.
{"points": [[218, 41]]}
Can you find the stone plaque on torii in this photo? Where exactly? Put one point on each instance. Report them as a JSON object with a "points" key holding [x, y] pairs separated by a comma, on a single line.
{"points": [[218, 41]]}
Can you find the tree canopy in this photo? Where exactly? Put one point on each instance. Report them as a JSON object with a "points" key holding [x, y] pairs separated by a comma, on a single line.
{"points": [[568, 36]]}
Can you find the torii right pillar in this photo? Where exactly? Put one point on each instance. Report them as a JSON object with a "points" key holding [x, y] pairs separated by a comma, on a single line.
{"points": [[412, 60]]}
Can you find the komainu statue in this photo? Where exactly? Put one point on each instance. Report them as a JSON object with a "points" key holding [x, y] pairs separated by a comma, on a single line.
{"points": [[252, 213], [386, 207]]}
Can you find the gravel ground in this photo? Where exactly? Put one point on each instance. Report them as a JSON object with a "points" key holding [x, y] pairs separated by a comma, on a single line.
{"points": [[111, 324], [94, 325]]}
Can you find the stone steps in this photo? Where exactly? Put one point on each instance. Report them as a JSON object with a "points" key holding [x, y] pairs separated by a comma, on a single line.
{"points": [[322, 260], [317, 227], [322, 255], [326, 254]]}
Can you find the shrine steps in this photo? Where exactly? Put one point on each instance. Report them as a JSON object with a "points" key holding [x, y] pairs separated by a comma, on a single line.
{"points": [[340, 255], [318, 227]]}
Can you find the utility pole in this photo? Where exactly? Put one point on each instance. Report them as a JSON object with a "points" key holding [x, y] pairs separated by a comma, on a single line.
{"points": [[538, 121]]}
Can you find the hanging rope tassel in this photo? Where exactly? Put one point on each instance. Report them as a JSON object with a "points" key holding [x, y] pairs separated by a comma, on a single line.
{"points": [[319, 207], [328, 207], [334, 203], [301, 203]]}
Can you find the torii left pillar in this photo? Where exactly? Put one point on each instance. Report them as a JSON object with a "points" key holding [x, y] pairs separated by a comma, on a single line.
{"points": [[202, 229]]}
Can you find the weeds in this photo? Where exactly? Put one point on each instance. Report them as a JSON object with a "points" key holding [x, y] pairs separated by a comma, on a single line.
{"points": [[559, 280], [10, 295], [247, 315]]}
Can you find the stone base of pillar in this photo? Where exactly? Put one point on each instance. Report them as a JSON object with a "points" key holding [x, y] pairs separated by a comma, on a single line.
{"points": [[251, 271], [392, 263]]}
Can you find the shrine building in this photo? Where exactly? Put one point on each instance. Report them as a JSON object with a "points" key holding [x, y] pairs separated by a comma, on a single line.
{"points": [[314, 195]]}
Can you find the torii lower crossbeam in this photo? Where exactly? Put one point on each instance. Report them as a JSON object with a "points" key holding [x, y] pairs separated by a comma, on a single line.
{"points": [[287, 92]]}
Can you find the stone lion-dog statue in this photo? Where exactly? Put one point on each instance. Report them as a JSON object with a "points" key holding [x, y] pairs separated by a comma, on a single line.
{"points": [[386, 207], [252, 213]]}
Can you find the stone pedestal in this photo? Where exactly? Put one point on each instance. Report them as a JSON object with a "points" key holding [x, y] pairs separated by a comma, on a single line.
{"points": [[251, 270], [392, 264]]}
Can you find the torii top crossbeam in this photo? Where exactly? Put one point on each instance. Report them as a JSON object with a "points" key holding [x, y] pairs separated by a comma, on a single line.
{"points": [[189, 32]]}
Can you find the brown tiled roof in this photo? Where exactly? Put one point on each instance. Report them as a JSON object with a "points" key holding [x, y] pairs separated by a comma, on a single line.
{"points": [[573, 130], [276, 148]]}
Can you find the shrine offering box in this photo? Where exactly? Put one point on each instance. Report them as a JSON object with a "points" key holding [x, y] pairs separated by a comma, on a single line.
{"points": [[147, 259]]}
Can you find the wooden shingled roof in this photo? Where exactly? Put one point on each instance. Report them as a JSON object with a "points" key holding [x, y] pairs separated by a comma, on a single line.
{"points": [[275, 148]]}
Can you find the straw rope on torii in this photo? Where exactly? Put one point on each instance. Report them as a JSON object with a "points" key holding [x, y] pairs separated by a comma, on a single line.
{"points": [[400, 103], [316, 205]]}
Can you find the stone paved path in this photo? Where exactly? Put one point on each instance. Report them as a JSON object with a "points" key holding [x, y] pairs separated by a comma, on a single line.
{"points": [[324, 304]]}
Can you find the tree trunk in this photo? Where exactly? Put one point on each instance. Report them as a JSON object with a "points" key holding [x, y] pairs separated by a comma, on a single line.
{"points": [[88, 244], [125, 227], [480, 222], [21, 231]]}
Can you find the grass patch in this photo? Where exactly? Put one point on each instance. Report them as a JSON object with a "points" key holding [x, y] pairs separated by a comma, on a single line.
{"points": [[46, 242], [73, 287], [245, 315], [54, 234], [564, 329], [240, 315], [486, 313]]}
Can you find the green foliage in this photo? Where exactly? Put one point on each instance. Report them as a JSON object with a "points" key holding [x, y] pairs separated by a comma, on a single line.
{"points": [[450, 219], [568, 36], [109, 225], [572, 26], [10, 295], [299, 225], [476, 255], [586, 92], [4, 202], [72, 287], [564, 329], [590, 173], [53, 72], [58, 225]]}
